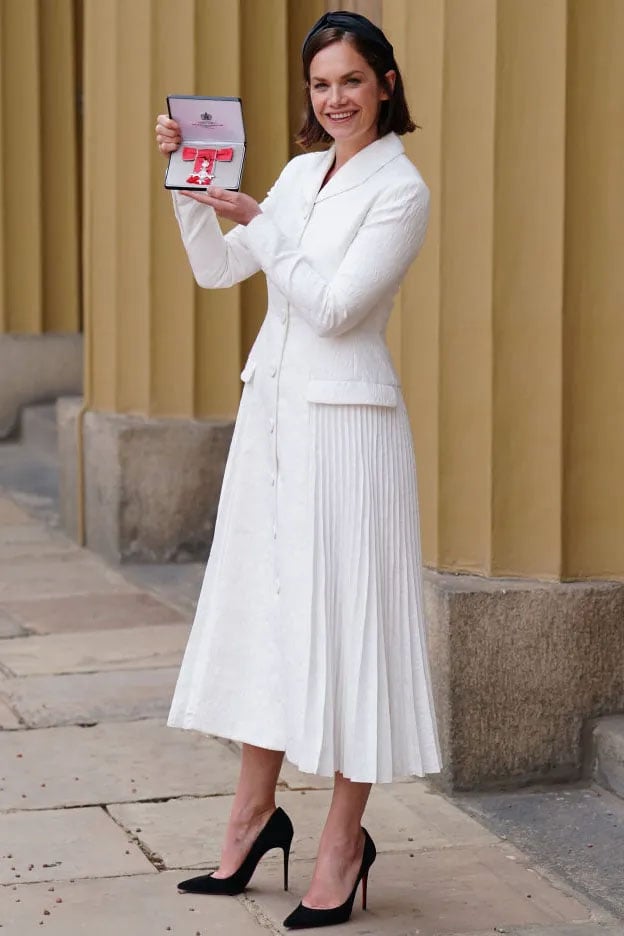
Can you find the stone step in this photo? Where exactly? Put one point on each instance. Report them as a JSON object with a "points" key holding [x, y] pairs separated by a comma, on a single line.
{"points": [[38, 428], [607, 762]]}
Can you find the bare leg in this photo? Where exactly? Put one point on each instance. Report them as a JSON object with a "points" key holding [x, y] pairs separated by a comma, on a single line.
{"points": [[341, 846], [253, 804]]}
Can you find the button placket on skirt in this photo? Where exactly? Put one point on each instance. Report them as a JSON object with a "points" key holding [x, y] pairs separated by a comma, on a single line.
{"points": [[274, 433]]}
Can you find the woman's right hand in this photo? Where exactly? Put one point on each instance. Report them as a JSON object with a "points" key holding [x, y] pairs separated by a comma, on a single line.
{"points": [[168, 135]]}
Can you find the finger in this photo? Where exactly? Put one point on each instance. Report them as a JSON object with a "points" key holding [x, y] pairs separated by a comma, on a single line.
{"points": [[208, 196], [168, 144], [198, 197], [167, 122], [221, 207], [222, 194], [166, 134], [167, 141], [220, 202]]}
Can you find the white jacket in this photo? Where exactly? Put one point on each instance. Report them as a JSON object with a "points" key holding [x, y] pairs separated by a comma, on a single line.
{"points": [[334, 257]]}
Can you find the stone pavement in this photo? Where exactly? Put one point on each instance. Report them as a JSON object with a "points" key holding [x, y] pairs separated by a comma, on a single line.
{"points": [[103, 809]]}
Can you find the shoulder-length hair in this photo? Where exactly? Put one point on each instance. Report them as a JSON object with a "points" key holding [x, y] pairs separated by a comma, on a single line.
{"points": [[394, 115]]}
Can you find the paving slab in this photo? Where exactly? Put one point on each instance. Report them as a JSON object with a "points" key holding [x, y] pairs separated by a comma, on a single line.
{"points": [[110, 763], [79, 699], [8, 719], [92, 612], [438, 893], [35, 541], [60, 575], [575, 832], [31, 533], [441, 823], [137, 648], [188, 833], [11, 515], [567, 929], [9, 627], [61, 844], [178, 583], [47, 549], [141, 905]]}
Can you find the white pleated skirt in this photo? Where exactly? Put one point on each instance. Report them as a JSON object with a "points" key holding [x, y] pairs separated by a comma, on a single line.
{"points": [[310, 635]]}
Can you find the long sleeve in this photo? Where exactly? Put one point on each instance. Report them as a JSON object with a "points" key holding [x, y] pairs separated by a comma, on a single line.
{"points": [[217, 260], [372, 268]]}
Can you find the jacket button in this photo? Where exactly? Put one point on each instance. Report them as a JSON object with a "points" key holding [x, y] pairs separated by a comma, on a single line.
{"points": [[273, 371]]}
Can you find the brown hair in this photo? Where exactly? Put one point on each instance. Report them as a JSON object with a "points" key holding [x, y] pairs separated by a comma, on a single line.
{"points": [[394, 115]]}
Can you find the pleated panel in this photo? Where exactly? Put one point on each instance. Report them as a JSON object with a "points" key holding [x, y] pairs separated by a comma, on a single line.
{"points": [[369, 706]]}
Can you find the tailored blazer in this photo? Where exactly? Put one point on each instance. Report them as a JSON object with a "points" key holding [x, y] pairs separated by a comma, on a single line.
{"points": [[334, 257]]}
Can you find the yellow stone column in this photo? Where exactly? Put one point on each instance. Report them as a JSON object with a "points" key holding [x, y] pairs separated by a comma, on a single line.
{"points": [[483, 334], [508, 335], [163, 356], [40, 351], [160, 346], [593, 347]]}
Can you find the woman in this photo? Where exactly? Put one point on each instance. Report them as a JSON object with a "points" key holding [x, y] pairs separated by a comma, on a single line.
{"points": [[309, 637]]}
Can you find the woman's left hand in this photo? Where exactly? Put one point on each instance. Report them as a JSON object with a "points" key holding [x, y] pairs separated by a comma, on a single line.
{"points": [[235, 206]]}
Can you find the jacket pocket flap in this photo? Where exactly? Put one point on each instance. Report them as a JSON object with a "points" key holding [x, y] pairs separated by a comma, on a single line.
{"points": [[248, 371], [352, 391]]}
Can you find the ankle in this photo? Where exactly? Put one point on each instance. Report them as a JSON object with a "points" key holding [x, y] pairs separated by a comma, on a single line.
{"points": [[346, 842], [247, 814]]}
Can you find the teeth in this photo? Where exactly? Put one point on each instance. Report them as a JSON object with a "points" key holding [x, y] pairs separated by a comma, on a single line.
{"points": [[341, 116]]}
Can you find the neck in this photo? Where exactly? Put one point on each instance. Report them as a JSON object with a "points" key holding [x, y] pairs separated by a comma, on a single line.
{"points": [[346, 149]]}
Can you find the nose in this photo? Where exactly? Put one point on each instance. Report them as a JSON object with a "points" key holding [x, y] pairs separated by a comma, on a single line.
{"points": [[335, 96]]}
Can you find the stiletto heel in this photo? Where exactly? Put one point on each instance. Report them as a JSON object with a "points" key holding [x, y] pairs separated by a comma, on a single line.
{"points": [[277, 833], [308, 918], [286, 858]]}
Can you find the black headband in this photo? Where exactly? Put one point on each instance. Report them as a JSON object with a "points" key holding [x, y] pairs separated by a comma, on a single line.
{"points": [[358, 25]]}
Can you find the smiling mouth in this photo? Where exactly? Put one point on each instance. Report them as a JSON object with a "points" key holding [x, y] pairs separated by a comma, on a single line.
{"points": [[341, 116]]}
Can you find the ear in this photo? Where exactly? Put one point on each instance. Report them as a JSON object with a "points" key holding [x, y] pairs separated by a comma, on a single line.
{"points": [[390, 77]]}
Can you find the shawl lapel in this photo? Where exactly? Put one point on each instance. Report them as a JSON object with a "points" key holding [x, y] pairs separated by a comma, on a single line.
{"points": [[357, 169]]}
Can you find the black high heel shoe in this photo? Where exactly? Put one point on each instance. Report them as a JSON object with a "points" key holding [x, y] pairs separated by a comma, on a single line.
{"points": [[307, 918], [277, 833]]}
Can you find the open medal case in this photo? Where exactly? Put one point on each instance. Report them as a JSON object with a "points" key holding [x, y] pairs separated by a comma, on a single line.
{"points": [[212, 150]]}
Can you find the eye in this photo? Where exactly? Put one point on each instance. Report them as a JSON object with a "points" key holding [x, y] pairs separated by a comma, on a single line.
{"points": [[319, 86], [353, 81]]}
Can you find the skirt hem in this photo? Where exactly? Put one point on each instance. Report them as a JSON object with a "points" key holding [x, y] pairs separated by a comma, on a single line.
{"points": [[293, 760]]}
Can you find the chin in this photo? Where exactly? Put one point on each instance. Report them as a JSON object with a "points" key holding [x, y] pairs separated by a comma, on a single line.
{"points": [[341, 133]]}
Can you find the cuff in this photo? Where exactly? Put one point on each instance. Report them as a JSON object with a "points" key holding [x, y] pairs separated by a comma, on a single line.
{"points": [[183, 205]]}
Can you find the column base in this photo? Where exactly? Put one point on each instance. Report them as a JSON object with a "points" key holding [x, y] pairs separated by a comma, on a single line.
{"points": [[152, 486], [520, 668], [35, 369]]}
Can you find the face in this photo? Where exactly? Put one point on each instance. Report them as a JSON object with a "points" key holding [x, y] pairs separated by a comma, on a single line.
{"points": [[346, 95]]}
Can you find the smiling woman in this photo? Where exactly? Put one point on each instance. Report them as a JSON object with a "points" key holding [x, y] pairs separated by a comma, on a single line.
{"points": [[370, 96], [309, 638]]}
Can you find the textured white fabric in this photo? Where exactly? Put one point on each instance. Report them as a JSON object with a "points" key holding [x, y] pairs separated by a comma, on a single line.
{"points": [[309, 635]]}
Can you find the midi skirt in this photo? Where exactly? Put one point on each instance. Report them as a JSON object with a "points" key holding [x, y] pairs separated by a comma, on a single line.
{"points": [[309, 635]]}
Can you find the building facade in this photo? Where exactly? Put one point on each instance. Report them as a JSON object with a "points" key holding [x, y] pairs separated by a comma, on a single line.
{"points": [[508, 333]]}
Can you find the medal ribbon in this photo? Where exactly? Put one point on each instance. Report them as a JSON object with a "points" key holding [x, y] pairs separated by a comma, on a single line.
{"points": [[205, 159]]}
